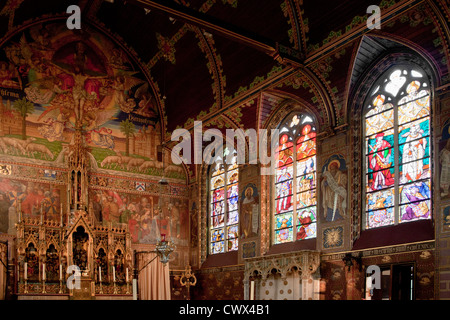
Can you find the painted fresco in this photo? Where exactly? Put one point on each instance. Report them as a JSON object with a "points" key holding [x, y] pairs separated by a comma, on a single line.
{"points": [[140, 212], [53, 81], [33, 198]]}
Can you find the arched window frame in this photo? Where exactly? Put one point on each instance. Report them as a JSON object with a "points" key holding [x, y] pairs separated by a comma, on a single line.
{"points": [[228, 201], [399, 101], [302, 223]]}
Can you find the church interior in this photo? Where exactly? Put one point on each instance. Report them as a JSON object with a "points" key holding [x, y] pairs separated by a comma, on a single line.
{"points": [[224, 150]]}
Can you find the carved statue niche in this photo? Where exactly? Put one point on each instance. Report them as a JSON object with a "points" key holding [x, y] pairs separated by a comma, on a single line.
{"points": [[52, 264], [101, 262], [119, 265], [80, 246], [32, 260]]}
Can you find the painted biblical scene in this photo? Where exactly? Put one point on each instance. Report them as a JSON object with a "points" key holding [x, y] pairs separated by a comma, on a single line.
{"points": [[147, 216], [34, 199], [54, 81]]}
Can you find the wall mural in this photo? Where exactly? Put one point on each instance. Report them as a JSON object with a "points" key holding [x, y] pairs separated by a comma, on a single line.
{"points": [[34, 197], [140, 212], [53, 79]]}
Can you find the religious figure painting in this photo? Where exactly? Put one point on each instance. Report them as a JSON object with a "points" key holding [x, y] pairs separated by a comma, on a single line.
{"points": [[334, 188], [145, 221], [56, 85], [33, 199], [249, 211]]}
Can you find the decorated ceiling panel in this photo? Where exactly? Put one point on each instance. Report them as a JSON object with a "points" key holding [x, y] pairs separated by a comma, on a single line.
{"points": [[204, 60]]}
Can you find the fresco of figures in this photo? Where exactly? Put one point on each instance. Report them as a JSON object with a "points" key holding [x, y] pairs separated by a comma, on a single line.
{"points": [[140, 212], [32, 198], [53, 81]]}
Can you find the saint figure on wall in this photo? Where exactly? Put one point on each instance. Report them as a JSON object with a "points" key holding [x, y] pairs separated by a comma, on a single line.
{"points": [[249, 212], [334, 189]]}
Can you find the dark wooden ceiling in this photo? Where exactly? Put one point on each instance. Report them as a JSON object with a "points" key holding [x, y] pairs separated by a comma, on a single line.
{"points": [[207, 57]]}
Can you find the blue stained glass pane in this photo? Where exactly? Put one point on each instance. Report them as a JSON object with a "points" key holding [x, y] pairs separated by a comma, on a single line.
{"points": [[217, 247], [283, 235], [283, 220], [415, 192], [306, 166], [379, 218], [217, 235], [233, 190], [414, 130], [233, 217], [415, 211], [232, 203]]}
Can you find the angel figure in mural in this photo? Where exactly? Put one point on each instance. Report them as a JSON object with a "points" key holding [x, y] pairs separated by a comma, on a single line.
{"points": [[334, 192], [416, 209], [53, 129], [77, 86], [147, 103], [121, 86]]}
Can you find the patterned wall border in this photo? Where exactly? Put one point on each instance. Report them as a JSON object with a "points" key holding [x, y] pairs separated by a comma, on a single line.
{"points": [[397, 249]]}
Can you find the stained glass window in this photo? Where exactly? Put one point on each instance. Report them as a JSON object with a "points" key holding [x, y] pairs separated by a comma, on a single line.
{"points": [[397, 148], [295, 180], [224, 196]]}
